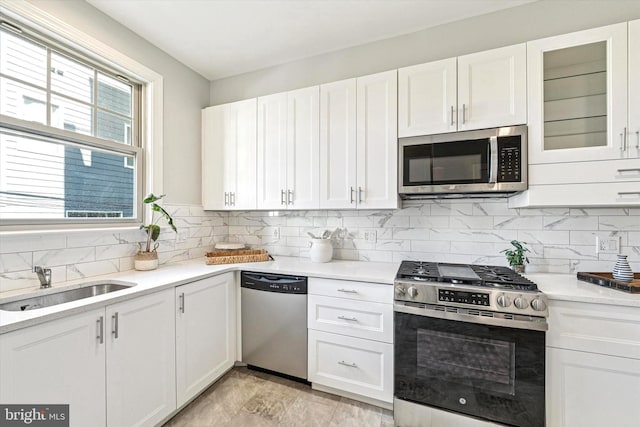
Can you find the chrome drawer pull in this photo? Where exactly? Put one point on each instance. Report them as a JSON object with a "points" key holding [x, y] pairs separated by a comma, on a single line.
{"points": [[350, 365], [628, 193], [348, 291], [350, 319], [629, 170]]}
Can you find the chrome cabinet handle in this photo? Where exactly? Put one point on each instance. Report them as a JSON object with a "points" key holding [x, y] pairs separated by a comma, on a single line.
{"points": [[628, 193], [282, 201], [232, 198], [114, 325], [348, 291], [226, 198], [100, 325], [360, 190], [464, 113], [452, 115], [181, 298], [350, 319], [350, 365], [638, 140], [289, 197], [351, 198], [622, 144], [629, 170]]}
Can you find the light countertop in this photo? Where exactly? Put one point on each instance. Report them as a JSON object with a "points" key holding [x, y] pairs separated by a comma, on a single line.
{"points": [[556, 286]]}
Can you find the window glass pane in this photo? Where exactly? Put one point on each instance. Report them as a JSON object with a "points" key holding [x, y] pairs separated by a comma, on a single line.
{"points": [[23, 59], [71, 78], [45, 179], [114, 128], [114, 95], [69, 115], [22, 101]]}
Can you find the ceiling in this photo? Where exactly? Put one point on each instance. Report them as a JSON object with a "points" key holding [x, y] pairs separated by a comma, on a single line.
{"points": [[221, 38]]}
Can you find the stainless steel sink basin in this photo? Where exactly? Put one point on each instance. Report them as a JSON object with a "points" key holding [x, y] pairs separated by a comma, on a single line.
{"points": [[61, 297]]}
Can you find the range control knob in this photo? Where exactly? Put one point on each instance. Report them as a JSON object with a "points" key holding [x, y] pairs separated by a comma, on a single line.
{"points": [[521, 302], [412, 292], [538, 304], [400, 291], [503, 301]]}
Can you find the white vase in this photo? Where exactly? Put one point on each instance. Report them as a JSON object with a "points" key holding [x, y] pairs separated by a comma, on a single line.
{"points": [[321, 250], [622, 269], [145, 261]]}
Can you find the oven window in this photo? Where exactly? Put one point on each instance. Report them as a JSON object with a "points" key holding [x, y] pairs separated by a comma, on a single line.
{"points": [[468, 360]]}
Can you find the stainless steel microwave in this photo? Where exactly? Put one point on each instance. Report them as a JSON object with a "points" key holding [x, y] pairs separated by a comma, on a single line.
{"points": [[485, 163]]}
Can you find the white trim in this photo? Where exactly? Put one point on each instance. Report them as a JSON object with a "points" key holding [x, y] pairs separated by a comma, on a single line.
{"points": [[25, 12]]}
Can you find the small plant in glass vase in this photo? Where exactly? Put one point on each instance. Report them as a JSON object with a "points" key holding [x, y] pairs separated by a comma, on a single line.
{"points": [[147, 258], [516, 257]]}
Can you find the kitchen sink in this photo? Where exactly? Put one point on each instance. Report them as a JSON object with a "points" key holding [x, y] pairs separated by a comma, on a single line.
{"points": [[62, 297]]}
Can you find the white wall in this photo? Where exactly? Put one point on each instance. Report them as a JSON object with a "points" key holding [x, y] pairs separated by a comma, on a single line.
{"points": [[516, 25], [185, 93]]}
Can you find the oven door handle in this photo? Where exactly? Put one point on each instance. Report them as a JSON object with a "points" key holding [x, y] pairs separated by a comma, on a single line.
{"points": [[493, 160], [535, 324]]}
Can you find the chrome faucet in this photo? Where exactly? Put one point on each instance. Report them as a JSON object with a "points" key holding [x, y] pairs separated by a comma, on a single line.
{"points": [[44, 274]]}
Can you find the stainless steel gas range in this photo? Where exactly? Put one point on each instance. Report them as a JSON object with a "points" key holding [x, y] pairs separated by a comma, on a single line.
{"points": [[469, 340]]}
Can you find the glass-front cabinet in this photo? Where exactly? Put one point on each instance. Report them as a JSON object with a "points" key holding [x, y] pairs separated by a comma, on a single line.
{"points": [[577, 96]]}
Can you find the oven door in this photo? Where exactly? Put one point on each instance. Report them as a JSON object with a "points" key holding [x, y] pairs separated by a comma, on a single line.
{"points": [[491, 372]]}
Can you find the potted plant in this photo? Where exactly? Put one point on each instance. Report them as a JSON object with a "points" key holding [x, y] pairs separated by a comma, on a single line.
{"points": [[147, 259], [516, 257]]}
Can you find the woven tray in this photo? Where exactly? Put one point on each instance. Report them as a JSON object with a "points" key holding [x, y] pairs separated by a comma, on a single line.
{"points": [[237, 256], [607, 280]]}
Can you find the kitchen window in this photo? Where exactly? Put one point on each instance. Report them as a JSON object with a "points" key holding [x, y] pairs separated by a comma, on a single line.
{"points": [[70, 135]]}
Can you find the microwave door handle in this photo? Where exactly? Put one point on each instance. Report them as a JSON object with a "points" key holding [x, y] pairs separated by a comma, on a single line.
{"points": [[493, 159]]}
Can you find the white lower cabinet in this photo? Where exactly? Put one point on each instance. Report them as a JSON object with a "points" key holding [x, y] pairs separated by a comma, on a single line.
{"points": [[205, 333], [351, 338], [60, 362], [114, 366], [593, 365]]}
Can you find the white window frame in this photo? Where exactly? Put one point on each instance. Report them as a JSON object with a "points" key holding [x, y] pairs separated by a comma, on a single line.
{"points": [[152, 94]]}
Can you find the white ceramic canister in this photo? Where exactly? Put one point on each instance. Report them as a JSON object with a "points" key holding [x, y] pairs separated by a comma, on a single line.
{"points": [[321, 250]]}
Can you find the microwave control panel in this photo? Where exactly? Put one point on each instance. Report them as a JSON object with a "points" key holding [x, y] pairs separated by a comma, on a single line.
{"points": [[509, 159]]}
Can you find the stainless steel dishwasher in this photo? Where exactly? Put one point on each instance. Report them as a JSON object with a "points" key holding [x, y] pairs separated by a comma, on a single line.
{"points": [[274, 322]]}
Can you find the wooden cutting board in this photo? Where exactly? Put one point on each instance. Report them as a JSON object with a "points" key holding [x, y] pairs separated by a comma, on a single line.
{"points": [[607, 280]]}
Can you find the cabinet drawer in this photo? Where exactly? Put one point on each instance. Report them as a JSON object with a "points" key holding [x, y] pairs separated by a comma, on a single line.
{"points": [[627, 170], [361, 319], [361, 291], [599, 194], [596, 328], [351, 364]]}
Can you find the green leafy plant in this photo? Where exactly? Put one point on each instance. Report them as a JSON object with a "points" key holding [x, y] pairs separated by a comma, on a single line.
{"points": [[153, 229], [516, 256]]}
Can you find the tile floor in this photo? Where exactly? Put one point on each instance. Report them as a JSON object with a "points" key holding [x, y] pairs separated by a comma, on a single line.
{"points": [[246, 398]]}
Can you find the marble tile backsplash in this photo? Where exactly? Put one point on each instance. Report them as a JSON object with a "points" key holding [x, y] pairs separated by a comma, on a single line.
{"points": [[561, 240], [83, 254]]}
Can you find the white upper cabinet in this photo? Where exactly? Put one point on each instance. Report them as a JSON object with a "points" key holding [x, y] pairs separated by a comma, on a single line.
{"points": [[492, 88], [577, 96], [338, 145], [377, 141], [288, 150], [229, 156], [634, 90], [427, 98], [481, 90]]}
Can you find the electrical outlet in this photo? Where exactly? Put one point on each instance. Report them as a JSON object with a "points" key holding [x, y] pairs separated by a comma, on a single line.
{"points": [[607, 245], [276, 232], [371, 236]]}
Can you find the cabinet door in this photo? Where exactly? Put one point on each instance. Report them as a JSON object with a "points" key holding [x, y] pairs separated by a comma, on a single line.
{"points": [[634, 89], [577, 96], [377, 141], [242, 153], [205, 333], [141, 382], [591, 390], [272, 151], [427, 98], [213, 147], [303, 148], [492, 88], [59, 362], [338, 145]]}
